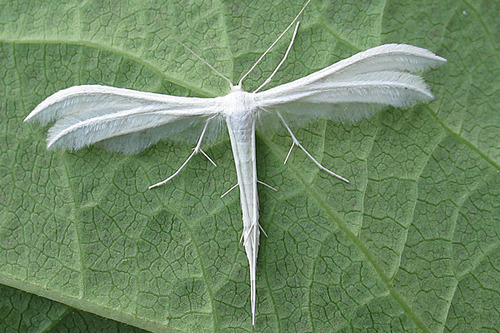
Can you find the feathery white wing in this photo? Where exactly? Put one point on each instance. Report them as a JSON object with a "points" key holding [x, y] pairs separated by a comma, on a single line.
{"points": [[121, 120], [128, 121], [358, 86]]}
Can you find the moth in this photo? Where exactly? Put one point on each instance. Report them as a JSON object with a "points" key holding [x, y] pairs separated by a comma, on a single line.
{"points": [[129, 121]]}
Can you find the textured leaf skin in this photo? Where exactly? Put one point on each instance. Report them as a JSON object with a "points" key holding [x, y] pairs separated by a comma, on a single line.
{"points": [[411, 245]]}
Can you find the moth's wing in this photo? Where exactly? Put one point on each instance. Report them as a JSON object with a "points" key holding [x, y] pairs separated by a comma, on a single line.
{"points": [[356, 87], [122, 120]]}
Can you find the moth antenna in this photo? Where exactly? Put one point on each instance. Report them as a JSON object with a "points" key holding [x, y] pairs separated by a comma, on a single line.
{"points": [[189, 49], [282, 60], [274, 43]]}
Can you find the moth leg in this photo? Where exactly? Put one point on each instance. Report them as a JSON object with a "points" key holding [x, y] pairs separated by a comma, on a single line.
{"points": [[196, 150], [245, 234], [236, 185], [250, 230], [298, 144], [267, 185], [208, 157], [227, 192], [263, 231]]}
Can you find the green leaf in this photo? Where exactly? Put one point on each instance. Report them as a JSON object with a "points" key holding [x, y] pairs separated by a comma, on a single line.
{"points": [[410, 245]]}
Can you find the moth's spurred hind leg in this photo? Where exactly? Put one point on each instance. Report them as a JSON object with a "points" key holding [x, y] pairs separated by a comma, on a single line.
{"points": [[196, 150], [298, 144], [236, 185]]}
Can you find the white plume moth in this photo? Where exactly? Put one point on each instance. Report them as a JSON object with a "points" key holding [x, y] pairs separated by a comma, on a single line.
{"points": [[128, 121]]}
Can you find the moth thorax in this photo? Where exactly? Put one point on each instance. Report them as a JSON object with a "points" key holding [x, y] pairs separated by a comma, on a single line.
{"points": [[239, 104]]}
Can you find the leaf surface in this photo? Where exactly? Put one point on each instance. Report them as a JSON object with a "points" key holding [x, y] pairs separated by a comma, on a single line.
{"points": [[410, 245]]}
